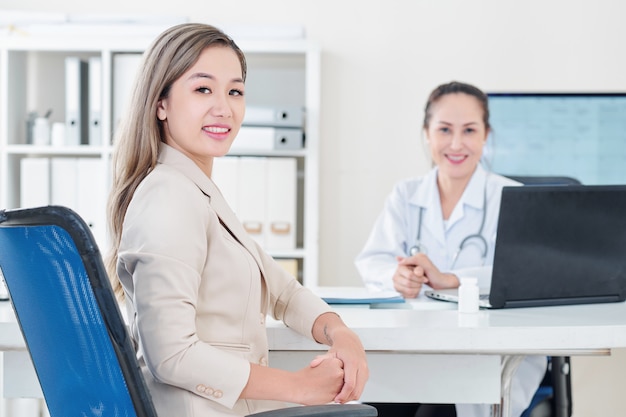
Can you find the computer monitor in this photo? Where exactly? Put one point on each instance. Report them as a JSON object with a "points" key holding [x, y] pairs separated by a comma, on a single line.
{"points": [[579, 135]]}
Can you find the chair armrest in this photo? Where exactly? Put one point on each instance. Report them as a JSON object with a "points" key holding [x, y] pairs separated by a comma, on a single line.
{"points": [[327, 410]]}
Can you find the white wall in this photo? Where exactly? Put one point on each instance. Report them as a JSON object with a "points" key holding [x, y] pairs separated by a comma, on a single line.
{"points": [[380, 60]]}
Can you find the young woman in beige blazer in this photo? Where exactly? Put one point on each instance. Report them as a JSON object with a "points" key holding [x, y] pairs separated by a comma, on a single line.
{"points": [[197, 288]]}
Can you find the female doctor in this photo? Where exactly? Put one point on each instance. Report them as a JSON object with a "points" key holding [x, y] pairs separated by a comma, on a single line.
{"points": [[441, 226]]}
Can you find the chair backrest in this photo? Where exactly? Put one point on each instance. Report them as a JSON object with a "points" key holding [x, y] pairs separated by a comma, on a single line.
{"points": [[69, 317], [543, 180]]}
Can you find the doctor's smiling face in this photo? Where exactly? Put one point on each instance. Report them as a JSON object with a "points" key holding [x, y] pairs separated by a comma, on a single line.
{"points": [[456, 128]]}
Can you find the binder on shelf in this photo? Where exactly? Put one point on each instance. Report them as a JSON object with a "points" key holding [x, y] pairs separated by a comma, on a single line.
{"points": [[34, 182], [91, 200], [78, 183], [281, 197], [125, 67], [264, 138], [225, 175], [252, 196], [76, 101], [95, 101], [288, 139], [263, 193], [288, 116]]}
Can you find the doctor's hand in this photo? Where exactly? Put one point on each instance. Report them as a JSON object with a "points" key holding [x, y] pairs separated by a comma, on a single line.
{"points": [[422, 264], [409, 276]]}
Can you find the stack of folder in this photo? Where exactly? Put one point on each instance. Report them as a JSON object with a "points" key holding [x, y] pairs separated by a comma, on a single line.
{"points": [[267, 128], [125, 67], [83, 95], [357, 295], [262, 191], [74, 182], [83, 101]]}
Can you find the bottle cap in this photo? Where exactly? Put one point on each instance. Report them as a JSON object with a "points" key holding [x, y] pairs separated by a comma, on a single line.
{"points": [[469, 281]]}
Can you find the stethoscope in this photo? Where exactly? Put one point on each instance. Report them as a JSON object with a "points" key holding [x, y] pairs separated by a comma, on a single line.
{"points": [[477, 238]]}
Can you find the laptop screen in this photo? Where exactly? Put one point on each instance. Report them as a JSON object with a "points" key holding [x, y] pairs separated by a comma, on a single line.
{"points": [[560, 245]]}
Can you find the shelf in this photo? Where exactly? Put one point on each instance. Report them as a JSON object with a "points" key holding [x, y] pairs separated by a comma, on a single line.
{"points": [[294, 253], [32, 79], [83, 150], [298, 153]]}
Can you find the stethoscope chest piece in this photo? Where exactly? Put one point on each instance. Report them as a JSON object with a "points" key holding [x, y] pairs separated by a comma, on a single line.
{"points": [[417, 248]]}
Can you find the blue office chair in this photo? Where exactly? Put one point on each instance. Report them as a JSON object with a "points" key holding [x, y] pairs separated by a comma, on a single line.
{"points": [[75, 334], [554, 396]]}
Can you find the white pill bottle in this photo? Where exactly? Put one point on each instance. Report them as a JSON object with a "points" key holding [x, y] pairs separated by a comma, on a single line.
{"points": [[468, 295]]}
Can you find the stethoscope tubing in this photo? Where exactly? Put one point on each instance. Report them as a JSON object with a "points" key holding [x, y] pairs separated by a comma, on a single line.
{"points": [[419, 247]]}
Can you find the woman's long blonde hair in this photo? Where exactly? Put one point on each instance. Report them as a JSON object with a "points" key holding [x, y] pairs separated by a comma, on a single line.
{"points": [[139, 134]]}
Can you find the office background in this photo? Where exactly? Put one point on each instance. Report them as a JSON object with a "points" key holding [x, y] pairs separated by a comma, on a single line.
{"points": [[380, 59]]}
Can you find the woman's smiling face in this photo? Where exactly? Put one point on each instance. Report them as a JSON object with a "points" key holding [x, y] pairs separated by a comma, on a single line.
{"points": [[204, 108]]}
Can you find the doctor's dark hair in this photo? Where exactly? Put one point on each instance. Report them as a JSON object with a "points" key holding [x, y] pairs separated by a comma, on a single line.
{"points": [[455, 87], [140, 133]]}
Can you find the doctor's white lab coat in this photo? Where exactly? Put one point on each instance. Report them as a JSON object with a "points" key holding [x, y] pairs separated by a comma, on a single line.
{"points": [[459, 245]]}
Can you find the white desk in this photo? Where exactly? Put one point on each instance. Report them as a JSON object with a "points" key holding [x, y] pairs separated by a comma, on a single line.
{"points": [[426, 352], [439, 356]]}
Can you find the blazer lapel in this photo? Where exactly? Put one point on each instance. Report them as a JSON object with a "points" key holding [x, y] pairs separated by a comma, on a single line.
{"points": [[176, 159]]}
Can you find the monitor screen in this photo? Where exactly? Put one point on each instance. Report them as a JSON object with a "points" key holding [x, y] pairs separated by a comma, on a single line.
{"points": [[579, 135]]}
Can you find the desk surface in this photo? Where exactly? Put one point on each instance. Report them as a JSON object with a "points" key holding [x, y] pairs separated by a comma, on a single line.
{"points": [[457, 358], [454, 358], [435, 326]]}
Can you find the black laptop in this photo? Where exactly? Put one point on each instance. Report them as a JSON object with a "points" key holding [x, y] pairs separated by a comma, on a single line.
{"points": [[559, 245]]}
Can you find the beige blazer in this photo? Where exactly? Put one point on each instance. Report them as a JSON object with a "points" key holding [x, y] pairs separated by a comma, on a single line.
{"points": [[198, 290]]}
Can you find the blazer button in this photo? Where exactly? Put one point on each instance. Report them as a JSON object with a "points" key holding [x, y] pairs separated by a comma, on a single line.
{"points": [[263, 361], [209, 391], [218, 394], [201, 388]]}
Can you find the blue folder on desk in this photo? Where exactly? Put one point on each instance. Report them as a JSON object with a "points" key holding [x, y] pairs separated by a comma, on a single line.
{"points": [[357, 295]]}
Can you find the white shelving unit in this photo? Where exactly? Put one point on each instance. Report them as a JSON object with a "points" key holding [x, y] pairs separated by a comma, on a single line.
{"points": [[280, 73]]}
